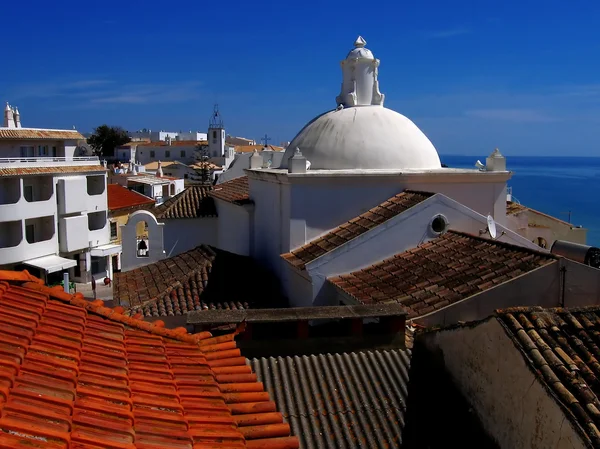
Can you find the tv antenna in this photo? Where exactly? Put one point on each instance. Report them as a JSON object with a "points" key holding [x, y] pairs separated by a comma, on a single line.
{"points": [[491, 229]]}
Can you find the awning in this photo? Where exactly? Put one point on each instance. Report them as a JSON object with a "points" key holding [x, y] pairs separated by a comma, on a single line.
{"points": [[51, 264], [105, 250]]}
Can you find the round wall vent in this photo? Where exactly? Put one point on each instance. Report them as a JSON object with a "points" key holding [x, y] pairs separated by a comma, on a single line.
{"points": [[439, 224]]}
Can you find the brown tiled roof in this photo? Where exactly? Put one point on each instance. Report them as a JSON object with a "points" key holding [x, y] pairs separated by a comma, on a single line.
{"points": [[251, 148], [137, 286], [513, 208], [235, 191], [193, 202], [354, 228], [561, 346], [7, 171], [440, 272], [75, 374], [30, 133], [120, 197], [185, 296], [199, 279]]}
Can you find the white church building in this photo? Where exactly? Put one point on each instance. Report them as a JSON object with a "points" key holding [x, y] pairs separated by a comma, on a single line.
{"points": [[361, 187]]}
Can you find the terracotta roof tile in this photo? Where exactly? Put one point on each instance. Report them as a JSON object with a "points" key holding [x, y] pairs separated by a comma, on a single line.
{"points": [[75, 374], [251, 148], [8, 171], [354, 228], [561, 347], [513, 208], [120, 197], [32, 133], [193, 202], [195, 280], [449, 268], [236, 191]]}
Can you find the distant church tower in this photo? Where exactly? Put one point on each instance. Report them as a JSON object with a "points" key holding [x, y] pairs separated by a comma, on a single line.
{"points": [[216, 135]]}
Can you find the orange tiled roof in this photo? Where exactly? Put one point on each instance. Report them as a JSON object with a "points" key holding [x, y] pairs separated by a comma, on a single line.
{"points": [[121, 198], [354, 228], [236, 191], [440, 272], [561, 345], [50, 170], [31, 133], [74, 374]]}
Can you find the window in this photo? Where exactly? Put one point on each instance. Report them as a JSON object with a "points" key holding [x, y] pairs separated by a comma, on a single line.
{"points": [[30, 233], [167, 153], [182, 153], [28, 193], [27, 151], [152, 154], [113, 230], [53, 152], [214, 134], [43, 150]]}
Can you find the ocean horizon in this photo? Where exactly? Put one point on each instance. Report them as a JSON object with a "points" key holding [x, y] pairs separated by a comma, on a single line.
{"points": [[560, 186]]}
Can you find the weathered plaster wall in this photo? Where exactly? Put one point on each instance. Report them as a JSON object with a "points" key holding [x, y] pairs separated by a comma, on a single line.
{"points": [[183, 234], [512, 404]]}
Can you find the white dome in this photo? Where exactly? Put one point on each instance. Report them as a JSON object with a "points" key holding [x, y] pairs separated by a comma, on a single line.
{"points": [[366, 137]]}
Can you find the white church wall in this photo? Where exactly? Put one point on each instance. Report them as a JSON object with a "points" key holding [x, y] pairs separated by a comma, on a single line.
{"points": [[297, 286], [234, 229], [323, 203], [184, 234], [271, 222]]}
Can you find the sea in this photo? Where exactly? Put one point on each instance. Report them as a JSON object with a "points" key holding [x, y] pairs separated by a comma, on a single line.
{"points": [[564, 187]]}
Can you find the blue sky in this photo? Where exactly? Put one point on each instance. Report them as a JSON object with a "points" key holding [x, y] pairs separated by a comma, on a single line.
{"points": [[473, 75]]}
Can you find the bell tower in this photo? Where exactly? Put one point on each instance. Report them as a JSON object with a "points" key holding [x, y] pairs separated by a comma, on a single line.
{"points": [[216, 134]]}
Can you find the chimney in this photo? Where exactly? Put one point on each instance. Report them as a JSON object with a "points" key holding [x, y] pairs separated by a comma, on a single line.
{"points": [[17, 117], [159, 172], [256, 160], [297, 163], [495, 161], [9, 121]]}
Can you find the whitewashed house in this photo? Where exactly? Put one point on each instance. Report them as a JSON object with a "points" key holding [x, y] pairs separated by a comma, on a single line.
{"points": [[53, 206]]}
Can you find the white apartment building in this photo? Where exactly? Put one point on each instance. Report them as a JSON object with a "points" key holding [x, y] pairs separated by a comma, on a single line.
{"points": [[148, 134], [53, 206]]}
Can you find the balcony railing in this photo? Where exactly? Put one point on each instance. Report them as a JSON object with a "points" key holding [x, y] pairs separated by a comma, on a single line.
{"points": [[20, 162]]}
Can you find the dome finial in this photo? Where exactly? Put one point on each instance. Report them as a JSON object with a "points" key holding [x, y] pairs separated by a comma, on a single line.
{"points": [[360, 42]]}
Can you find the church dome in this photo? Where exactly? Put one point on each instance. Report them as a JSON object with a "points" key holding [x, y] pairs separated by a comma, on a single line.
{"points": [[361, 133]]}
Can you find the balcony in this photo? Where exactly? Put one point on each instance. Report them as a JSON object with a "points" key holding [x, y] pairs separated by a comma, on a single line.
{"points": [[73, 235], [34, 197], [22, 241], [22, 162]]}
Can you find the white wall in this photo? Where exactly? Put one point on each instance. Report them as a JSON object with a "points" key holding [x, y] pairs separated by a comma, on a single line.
{"points": [[129, 258], [183, 234], [510, 402], [143, 153], [582, 284], [234, 227], [12, 148]]}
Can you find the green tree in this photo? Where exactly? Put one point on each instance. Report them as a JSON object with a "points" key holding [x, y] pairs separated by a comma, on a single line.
{"points": [[202, 156], [106, 138]]}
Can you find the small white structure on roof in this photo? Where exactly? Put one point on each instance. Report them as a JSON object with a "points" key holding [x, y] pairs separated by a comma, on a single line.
{"points": [[360, 133]]}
